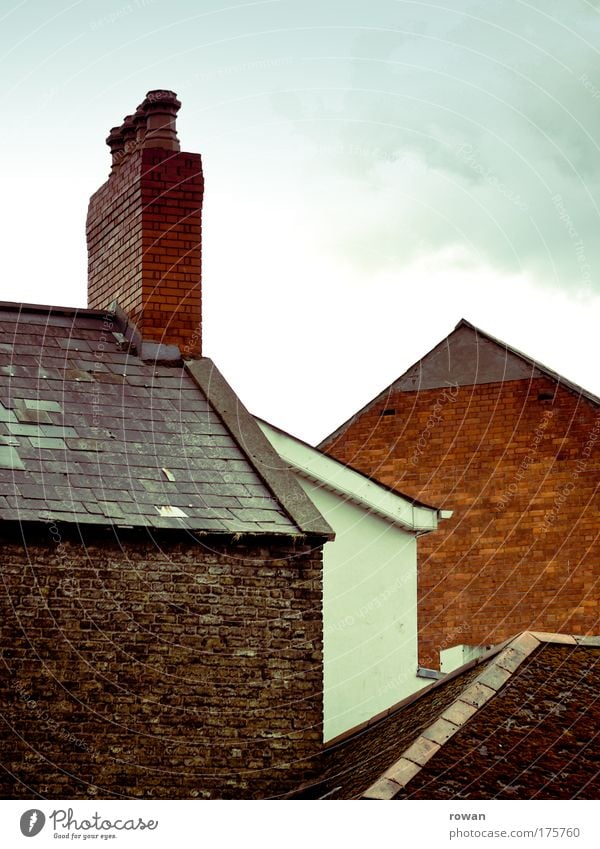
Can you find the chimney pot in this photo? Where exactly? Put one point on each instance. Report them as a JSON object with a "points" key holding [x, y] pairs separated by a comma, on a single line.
{"points": [[128, 131], [117, 147], [161, 108], [139, 122]]}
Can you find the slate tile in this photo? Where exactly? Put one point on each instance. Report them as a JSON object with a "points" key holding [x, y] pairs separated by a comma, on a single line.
{"points": [[78, 375], [110, 508], [9, 458], [48, 442], [24, 429], [117, 495], [7, 415], [77, 444], [40, 491], [254, 515], [42, 405], [58, 430], [70, 492], [26, 416], [74, 344]]}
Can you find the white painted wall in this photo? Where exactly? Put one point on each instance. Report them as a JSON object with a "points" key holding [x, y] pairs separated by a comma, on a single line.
{"points": [[369, 586], [369, 613], [452, 658]]}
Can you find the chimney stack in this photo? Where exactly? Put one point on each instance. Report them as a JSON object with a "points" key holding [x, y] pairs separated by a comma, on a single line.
{"points": [[144, 228]]}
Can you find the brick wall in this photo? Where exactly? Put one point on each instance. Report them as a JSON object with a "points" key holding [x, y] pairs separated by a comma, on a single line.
{"points": [[144, 245], [167, 670], [518, 463]]}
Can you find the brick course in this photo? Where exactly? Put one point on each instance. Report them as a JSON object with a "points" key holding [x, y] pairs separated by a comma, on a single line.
{"points": [[168, 670], [518, 464]]}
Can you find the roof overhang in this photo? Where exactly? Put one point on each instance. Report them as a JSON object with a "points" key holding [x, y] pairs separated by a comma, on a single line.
{"points": [[318, 467]]}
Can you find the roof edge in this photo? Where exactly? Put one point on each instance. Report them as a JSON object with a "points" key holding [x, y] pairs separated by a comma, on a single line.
{"points": [[15, 306], [548, 372], [368, 478], [263, 458]]}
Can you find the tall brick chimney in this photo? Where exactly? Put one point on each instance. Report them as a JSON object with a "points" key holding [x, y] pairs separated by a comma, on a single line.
{"points": [[144, 228]]}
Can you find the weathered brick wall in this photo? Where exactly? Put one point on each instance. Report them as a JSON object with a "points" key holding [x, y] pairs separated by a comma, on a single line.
{"points": [[167, 670], [144, 245], [518, 463]]}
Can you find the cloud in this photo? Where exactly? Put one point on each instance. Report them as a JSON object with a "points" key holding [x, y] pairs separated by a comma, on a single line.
{"points": [[474, 128]]}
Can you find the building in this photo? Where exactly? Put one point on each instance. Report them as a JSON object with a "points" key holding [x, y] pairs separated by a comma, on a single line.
{"points": [[370, 657], [511, 448], [160, 621], [518, 723]]}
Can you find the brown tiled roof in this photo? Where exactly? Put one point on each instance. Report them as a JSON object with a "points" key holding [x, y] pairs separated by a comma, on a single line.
{"points": [[91, 433], [520, 723]]}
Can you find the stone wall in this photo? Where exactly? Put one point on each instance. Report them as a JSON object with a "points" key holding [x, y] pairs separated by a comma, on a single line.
{"points": [[165, 668]]}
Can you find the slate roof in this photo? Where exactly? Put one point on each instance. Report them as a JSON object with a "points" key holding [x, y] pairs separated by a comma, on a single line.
{"points": [[521, 722], [92, 434]]}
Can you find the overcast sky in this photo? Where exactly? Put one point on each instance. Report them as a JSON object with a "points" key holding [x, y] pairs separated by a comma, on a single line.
{"points": [[375, 170]]}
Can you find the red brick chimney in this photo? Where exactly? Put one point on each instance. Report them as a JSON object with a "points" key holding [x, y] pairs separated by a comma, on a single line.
{"points": [[144, 228]]}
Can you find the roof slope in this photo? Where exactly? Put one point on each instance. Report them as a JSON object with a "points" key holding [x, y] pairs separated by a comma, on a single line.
{"points": [[466, 357], [91, 433], [521, 722]]}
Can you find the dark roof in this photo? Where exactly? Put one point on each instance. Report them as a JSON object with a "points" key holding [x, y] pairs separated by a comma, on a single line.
{"points": [[91, 433], [521, 722], [544, 370], [508, 364]]}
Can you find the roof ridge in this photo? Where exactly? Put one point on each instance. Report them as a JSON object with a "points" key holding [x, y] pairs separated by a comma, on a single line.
{"points": [[258, 450], [548, 372]]}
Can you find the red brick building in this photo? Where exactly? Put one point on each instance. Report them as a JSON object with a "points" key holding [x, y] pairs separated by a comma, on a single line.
{"points": [[513, 449]]}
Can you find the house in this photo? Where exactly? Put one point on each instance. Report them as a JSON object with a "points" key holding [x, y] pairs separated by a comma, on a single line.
{"points": [[369, 583], [160, 619], [520, 722], [512, 448]]}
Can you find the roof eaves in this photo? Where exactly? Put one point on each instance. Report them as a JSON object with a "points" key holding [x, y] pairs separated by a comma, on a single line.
{"points": [[257, 448]]}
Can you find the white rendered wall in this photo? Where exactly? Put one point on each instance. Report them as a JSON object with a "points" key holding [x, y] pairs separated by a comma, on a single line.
{"points": [[369, 613], [452, 658]]}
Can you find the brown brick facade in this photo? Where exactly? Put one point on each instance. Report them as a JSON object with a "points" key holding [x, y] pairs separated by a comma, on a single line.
{"points": [[518, 463], [167, 670], [144, 245]]}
